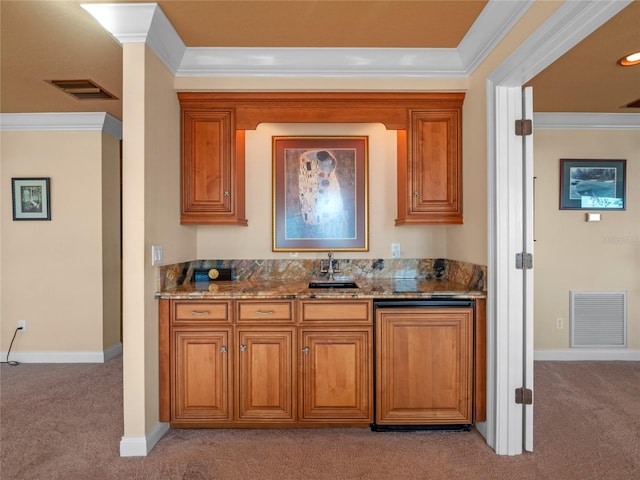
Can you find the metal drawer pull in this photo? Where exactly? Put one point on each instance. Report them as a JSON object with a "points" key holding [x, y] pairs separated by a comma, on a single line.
{"points": [[265, 312], [243, 348], [200, 312], [223, 349]]}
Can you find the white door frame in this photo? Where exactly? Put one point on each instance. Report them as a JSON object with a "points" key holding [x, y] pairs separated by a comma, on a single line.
{"points": [[568, 25]]}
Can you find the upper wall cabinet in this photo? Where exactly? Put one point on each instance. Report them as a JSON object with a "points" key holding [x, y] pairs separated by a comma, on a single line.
{"points": [[212, 170], [429, 159], [430, 175]]}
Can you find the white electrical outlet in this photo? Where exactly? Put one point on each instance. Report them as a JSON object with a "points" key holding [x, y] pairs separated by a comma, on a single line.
{"points": [[22, 324], [156, 254], [395, 250], [559, 323]]}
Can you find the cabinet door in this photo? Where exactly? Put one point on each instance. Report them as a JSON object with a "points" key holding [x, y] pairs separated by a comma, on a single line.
{"points": [[265, 374], [424, 366], [201, 375], [430, 173], [212, 176], [336, 375]]}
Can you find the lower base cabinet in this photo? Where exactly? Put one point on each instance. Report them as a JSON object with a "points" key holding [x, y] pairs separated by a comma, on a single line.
{"points": [[266, 375], [424, 366], [251, 365], [200, 375], [310, 362], [336, 375]]}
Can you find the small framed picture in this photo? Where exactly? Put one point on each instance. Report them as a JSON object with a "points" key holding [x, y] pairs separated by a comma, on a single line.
{"points": [[592, 184], [31, 198]]}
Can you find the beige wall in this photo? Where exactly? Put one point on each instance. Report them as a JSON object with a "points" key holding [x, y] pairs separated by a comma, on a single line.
{"points": [[571, 254], [111, 251], [62, 276], [151, 202]]}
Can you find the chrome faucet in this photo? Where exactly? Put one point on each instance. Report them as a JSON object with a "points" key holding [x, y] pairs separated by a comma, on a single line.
{"points": [[330, 271]]}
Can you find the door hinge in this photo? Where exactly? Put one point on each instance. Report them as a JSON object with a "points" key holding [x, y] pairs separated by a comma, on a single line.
{"points": [[524, 261], [524, 396], [524, 128]]}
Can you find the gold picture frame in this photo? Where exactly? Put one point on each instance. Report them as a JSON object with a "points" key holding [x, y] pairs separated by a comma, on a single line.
{"points": [[320, 193]]}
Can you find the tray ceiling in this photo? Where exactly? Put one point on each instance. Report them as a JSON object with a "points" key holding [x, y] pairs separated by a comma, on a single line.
{"points": [[44, 41]]}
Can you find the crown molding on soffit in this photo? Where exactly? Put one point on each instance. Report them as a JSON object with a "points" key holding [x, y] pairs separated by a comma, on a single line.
{"points": [[65, 121], [147, 23]]}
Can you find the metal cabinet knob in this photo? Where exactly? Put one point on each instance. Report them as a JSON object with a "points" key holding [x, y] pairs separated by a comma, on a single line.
{"points": [[305, 350], [243, 348], [416, 194], [223, 349], [226, 193]]}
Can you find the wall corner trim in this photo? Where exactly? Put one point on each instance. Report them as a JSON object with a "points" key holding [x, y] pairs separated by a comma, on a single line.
{"points": [[586, 121], [61, 121], [141, 445]]}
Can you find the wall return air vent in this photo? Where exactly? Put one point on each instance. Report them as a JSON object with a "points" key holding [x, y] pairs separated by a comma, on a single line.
{"points": [[598, 319], [83, 89]]}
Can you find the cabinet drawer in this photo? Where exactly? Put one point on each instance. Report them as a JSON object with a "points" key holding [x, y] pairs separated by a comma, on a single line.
{"points": [[189, 312], [336, 311], [251, 311]]}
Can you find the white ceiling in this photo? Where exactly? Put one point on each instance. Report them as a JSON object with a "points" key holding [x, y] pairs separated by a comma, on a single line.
{"points": [[45, 40]]}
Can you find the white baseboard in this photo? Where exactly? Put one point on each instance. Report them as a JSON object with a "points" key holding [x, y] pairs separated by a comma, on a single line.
{"points": [[586, 354], [140, 446], [65, 357]]}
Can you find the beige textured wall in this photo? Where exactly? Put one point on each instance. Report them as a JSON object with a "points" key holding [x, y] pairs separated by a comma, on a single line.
{"points": [[52, 271], [151, 200], [111, 260], [571, 254]]}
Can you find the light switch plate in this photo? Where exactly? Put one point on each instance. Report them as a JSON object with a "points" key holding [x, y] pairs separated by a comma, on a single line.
{"points": [[156, 254], [593, 217]]}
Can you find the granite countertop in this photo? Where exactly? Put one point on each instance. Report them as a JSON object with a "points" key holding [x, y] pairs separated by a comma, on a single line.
{"points": [[275, 289]]}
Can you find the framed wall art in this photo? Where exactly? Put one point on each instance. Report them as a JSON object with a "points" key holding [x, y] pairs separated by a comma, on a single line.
{"points": [[31, 198], [592, 184], [320, 193]]}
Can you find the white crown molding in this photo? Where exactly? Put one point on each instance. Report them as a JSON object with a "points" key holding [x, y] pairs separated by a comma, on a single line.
{"points": [[586, 121], [587, 354], [140, 446], [146, 23], [321, 62], [493, 23], [141, 23], [569, 25], [62, 121]]}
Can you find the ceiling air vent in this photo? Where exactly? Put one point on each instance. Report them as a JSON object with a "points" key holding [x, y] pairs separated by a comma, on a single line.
{"points": [[634, 104], [83, 89]]}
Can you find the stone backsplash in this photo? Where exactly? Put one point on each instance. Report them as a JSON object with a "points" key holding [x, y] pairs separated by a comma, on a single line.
{"points": [[466, 274]]}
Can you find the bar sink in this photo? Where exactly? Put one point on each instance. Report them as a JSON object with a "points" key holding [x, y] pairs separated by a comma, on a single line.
{"points": [[334, 284]]}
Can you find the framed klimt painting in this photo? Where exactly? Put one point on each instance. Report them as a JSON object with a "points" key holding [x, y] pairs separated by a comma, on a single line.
{"points": [[31, 198], [591, 184], [320, 193]]}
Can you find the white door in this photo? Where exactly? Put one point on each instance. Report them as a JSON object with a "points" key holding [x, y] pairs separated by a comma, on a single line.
{"points": [[527, 273], [512, 301]]}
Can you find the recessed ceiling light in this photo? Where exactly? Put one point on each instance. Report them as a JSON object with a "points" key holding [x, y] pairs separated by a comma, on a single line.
{"points": [[83, 89], [631, 59]]}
